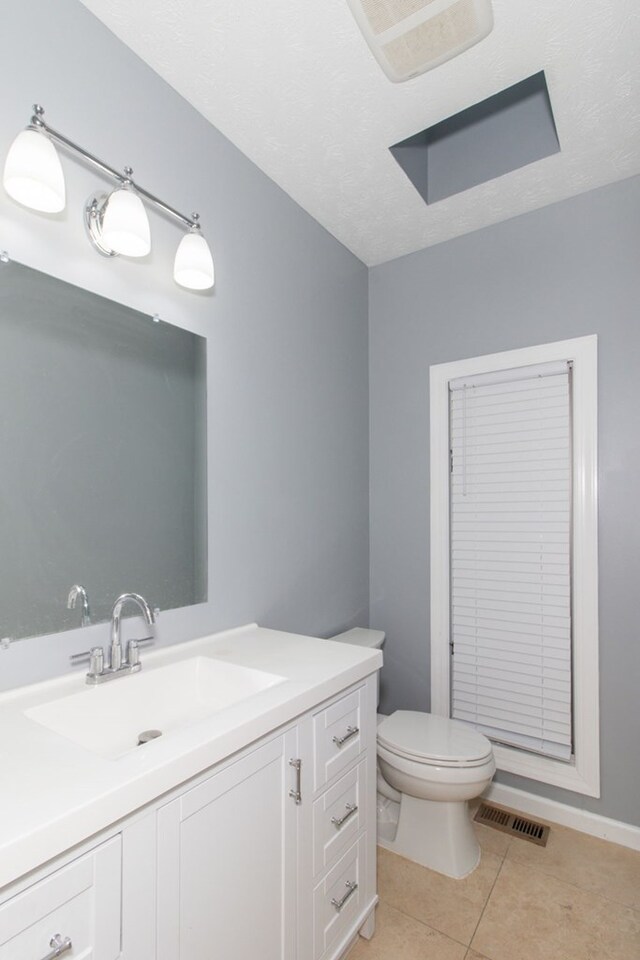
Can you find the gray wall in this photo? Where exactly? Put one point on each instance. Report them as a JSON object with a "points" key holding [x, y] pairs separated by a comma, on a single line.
{"points": [[565, 271], [286, 333]]}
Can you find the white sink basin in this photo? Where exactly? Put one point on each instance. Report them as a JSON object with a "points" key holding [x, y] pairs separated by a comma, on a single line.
{"points": [[107, 719]]}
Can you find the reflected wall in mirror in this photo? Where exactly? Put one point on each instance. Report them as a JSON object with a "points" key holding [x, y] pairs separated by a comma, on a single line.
{"points": [[103, 451]]}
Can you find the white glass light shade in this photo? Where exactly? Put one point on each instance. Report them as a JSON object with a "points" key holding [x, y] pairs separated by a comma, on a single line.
{"points": [[193, 266], [125, 225], [33, 173]]}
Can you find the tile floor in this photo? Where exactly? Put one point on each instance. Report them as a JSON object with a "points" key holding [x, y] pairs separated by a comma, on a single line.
{"points": [[578, 898]]}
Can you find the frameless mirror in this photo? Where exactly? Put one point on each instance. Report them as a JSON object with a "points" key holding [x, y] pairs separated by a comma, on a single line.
{"points": [[103, 451]]}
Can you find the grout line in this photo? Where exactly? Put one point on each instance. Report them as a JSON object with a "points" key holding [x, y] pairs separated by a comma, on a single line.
{"points": [[429, 926], [475, 929]]}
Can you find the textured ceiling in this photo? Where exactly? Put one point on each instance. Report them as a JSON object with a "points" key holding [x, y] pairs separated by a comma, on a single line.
{"points": [[293, 84]]}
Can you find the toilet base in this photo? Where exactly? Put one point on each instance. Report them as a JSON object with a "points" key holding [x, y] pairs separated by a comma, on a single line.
{"points": [[436, 834]]}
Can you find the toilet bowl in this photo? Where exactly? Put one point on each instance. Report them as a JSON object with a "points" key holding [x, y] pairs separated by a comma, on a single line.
{"points": [[434, 766]]}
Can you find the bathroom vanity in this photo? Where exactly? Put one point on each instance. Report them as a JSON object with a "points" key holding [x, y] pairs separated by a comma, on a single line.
{"points": [[246, 830]]}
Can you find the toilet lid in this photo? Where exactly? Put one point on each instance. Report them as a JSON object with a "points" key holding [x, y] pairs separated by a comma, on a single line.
{"points": [[425, 737]]}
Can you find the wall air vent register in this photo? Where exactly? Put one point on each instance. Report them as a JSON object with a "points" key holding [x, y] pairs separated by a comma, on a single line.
{"points": [[409, 37]]}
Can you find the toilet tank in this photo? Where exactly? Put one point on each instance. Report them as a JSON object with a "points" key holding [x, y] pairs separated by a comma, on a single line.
{"points": [[364, 637]]}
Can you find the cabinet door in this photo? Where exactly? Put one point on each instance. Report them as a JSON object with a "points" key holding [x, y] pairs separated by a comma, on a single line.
{"points": [[79, 902], [227, 862]]}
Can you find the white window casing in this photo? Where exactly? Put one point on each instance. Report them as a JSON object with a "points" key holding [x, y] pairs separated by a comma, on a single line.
{"points": [[488, 394]]}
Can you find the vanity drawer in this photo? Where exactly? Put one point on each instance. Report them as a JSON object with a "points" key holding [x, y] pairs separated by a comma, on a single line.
{"points": [[338, 736], [338, 816], [80, 901], [338, 899]]}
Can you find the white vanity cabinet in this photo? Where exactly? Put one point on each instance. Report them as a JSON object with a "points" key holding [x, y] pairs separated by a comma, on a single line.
{"points": [[269, 854], [76, 908], [227, 861], [247, 868]]}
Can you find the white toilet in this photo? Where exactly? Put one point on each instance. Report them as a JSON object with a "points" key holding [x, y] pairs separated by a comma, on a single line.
{"points": [[434, 767], [429, 768]]}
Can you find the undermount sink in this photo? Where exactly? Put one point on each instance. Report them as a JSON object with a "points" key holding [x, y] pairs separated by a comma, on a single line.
{"points": [[107, 720]]}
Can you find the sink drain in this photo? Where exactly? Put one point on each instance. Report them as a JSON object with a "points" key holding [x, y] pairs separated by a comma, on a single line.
{"points": [[147, 735]]}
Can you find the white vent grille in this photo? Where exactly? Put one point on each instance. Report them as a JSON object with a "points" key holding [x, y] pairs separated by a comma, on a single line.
{"points": [[384, 14], [408, 37]]}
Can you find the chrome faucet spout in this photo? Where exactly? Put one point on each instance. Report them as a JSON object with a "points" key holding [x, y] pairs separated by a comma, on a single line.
{"points": [[116, 616], [78, 591]]}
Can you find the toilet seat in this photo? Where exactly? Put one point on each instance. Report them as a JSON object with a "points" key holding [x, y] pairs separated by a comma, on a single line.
{"points": [[434, 741]]}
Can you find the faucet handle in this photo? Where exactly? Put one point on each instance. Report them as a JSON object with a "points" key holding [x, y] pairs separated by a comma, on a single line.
{"points": [[133, 653], [133, 656], [96, 661], [95, 658]]}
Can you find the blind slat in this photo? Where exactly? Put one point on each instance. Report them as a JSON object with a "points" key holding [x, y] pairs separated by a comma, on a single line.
{"points": [[492, 585], [522, 721], [541, 631], [469, 693]]}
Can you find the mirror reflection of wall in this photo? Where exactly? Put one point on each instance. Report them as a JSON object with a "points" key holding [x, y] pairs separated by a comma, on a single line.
{"points": [[103, 452]]}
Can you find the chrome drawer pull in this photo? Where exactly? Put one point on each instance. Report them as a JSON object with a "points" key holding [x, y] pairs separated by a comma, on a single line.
{"points": [[339, 904], [351, 808], [351, 732], [296, 792], [58, 946]]}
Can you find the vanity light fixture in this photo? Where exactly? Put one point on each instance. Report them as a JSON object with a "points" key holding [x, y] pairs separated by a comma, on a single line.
{"points": [[117, 222], [193, 266], [33, 173]]}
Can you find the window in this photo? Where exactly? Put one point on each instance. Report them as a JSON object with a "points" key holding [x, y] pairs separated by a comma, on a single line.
{"points": [[510, 533], [514, 556]]}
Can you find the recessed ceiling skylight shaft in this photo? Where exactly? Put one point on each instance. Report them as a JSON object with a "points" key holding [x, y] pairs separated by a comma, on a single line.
{"points": [[509, 130]]}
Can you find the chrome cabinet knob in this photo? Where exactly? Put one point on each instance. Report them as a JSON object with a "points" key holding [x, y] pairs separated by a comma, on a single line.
{"points": [[59, 945]]}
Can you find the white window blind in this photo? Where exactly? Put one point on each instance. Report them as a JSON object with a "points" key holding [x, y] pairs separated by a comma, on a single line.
{"points": [[510, 436]]}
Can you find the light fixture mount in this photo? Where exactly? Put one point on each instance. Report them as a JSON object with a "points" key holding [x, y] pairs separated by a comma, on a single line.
{"points": [[93, 217], [36, 119]]}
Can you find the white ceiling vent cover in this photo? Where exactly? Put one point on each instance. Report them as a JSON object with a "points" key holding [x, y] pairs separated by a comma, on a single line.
{"points": [[409, 37]]}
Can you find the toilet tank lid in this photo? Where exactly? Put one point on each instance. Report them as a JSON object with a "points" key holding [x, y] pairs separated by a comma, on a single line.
{"points": [[361, 637], [410, 733]]}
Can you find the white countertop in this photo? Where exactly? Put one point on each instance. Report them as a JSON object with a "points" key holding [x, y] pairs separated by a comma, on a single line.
{"points": [[55, 794]]}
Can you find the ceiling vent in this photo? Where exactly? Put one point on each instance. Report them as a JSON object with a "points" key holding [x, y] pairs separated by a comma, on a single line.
{"points": [[409, 37]]}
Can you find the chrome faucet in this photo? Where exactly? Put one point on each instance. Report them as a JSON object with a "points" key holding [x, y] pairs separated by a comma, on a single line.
{"points": [[99, 672], [78, 591], [117, 663]]}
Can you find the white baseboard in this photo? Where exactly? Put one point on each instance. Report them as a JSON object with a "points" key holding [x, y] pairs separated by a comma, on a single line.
{"points": [[616, 831]]}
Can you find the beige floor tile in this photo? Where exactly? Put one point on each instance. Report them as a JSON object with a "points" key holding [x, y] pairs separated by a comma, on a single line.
{"points": [[492, 841], [472, 955], [399, 937], [451, 906], [592, 864], [534, 916]]}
